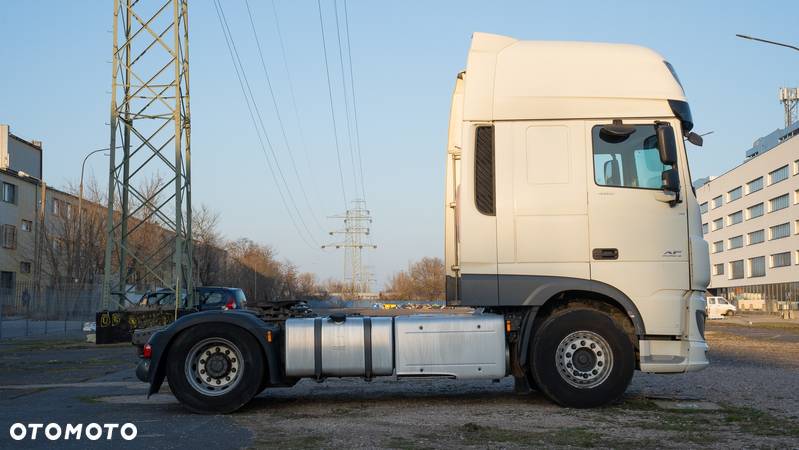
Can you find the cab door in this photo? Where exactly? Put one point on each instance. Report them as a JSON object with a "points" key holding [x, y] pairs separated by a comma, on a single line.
{"points": [[638, 237]]}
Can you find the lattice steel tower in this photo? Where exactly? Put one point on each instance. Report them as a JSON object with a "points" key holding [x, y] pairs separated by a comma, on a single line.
{"points": [[149, 229], [357, 221]]}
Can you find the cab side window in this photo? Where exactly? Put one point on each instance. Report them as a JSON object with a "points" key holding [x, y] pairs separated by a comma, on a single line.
{"points": [[630, 161]]}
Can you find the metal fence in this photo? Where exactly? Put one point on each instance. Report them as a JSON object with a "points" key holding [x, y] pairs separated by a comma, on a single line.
{"points": [[28, 310]]}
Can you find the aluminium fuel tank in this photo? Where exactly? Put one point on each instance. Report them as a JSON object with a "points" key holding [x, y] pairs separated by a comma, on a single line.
{"points": [[339, 346], [451, 345]]}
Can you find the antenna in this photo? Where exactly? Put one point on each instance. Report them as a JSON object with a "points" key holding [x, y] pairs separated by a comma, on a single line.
{"points": [[789, 98]]}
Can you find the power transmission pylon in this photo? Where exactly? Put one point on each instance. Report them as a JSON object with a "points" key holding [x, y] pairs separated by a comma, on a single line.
{"points": [[150, 119], [356, 231]]}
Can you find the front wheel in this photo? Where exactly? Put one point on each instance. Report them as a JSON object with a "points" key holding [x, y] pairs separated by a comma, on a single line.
{"points": [[582, 358], [215, 370]]}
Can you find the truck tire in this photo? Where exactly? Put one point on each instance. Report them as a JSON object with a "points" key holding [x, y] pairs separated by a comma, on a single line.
{"points": [[582, 358], [215, 370]]}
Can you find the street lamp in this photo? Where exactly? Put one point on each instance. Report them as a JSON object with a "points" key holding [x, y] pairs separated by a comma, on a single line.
{"points": [[744, 36], [788, 97], [80, 202]]}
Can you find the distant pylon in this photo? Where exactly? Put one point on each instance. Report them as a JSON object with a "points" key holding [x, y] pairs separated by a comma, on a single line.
{"points": [[356, 231]]}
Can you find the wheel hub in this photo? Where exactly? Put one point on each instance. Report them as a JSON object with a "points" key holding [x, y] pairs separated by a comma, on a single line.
{"points": [[584, 359], [213, 366]]}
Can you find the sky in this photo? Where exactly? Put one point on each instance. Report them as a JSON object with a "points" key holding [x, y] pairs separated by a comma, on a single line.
{"points": [[56, 76]]}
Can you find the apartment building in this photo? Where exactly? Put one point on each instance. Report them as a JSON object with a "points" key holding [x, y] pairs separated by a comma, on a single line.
{"points": [[750, 219], [22, 217]]}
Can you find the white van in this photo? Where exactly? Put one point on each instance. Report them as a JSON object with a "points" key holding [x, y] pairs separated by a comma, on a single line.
{"points": [[719, 307]]}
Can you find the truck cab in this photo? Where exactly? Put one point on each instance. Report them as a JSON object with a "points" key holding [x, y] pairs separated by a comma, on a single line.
{"points": [[567, 178]]}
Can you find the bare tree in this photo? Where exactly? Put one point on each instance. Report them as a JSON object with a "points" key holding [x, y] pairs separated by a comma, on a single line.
{"points": [[423, 280], [209, 253]]}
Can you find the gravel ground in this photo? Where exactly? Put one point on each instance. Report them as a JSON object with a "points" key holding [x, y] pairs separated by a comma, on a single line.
{"points": [[750, 386]]}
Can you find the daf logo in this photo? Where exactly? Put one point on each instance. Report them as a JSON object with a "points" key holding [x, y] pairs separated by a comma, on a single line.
{"points": [[672, 253]]}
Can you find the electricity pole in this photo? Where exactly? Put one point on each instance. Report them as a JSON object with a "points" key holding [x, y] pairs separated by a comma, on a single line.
{"points": [[150, 123], [356, 231]]}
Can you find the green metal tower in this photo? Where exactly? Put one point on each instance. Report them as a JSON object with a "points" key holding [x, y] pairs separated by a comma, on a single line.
{"points": [[149, 222]]}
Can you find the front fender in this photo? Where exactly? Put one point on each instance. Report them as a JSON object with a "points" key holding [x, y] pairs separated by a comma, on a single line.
{"points": [[161, 341]]}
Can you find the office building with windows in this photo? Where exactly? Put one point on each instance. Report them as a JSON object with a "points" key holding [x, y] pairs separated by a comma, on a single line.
{"points": [[750, 219], [22, 217]]}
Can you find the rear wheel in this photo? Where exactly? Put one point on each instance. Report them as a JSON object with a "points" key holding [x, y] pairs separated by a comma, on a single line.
{"points": [[582, 358], [215, 370]]}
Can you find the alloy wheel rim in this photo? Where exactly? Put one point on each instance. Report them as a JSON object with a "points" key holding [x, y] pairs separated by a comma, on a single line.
{"points": [[214, 366], [584, 359]]}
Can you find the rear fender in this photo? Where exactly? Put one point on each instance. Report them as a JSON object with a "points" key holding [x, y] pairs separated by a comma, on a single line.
{"points": [[161, 342]]}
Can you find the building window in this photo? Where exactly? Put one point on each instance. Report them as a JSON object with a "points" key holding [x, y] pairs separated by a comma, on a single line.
{"points": [[736, 217], [754, 211], [6, 280], [778, 175], [718, 246], [756, 237], [62, 209], [718, 224], [754, 185], [718, 269], [24, 267], [779, 231], [757, 266], [737, 269], [704, 228], [796, 167], [27, 225], [781, 259], [734, 194], [10, 193], [778, 203], [716, 202], [735, 242], [703, 208], [9, 236]]}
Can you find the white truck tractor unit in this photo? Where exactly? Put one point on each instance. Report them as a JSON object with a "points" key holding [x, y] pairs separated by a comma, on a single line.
{"points": [[571, 228]]}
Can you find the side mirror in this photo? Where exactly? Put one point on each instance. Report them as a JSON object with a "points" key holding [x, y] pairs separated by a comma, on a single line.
{"points": [[695, 139], [671, 183], [667, 144]]}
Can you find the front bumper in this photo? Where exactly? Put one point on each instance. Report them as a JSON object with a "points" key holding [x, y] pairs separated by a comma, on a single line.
{"points": [[689, 353]]}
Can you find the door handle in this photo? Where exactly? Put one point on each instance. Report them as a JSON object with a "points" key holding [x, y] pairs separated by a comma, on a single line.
{"points": [[605, 253]]}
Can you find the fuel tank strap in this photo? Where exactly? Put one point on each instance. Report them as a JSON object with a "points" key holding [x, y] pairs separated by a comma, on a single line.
{"points": [[367, 347], [317, 357]]}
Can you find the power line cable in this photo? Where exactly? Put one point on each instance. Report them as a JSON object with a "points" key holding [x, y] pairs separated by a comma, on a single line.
{"points": [[243, 81], [332, 109], [346, 103], [354, 102], [279, 118], [293, 97]]}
